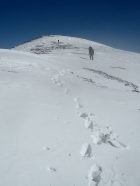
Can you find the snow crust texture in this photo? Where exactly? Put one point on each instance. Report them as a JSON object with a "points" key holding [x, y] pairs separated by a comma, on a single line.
{"points": [[67, 120]]}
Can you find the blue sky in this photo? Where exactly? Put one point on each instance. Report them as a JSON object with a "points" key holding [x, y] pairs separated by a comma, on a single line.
{"points": [[115, 23]]}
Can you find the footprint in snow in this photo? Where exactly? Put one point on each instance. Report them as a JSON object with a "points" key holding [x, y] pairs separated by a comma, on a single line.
{"points": [[51, 169], [46, 148], [100, 138], [94, 175], [78, 106], [85, 115], [77, 99], [54, 80], [57, 82], [89, 124], [86, 151]]}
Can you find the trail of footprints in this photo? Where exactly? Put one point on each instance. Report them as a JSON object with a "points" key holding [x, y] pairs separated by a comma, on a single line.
{"points": [[56, 80], [98, 138], [100, 135]]}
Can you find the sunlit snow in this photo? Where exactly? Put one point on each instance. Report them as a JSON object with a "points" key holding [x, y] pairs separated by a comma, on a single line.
{"points": [[66, 120]]}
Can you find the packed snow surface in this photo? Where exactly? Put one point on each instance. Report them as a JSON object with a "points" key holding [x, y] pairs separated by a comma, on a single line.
{"points": [[67, 120]]}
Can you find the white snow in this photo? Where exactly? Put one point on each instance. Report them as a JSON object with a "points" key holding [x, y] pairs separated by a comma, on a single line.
{"points": [[86, 150], [89, 123], [58, 103], [94, 175], [51, 169]]}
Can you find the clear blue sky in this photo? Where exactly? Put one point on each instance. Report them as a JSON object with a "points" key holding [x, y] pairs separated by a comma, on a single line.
{"points": [[112, 22]]}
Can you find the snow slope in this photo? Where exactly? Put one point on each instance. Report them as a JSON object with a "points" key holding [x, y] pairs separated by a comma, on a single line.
{"points": [[66, 120]]}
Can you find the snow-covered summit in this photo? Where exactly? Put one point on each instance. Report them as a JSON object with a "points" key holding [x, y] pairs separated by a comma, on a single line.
{"points": [[66, 120], [46, 44]]}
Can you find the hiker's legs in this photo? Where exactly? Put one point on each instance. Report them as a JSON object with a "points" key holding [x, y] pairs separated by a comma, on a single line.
{"points": [[92, 57]]}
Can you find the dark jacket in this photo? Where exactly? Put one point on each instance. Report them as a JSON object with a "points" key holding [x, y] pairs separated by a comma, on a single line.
{"points": [[91, 51]]}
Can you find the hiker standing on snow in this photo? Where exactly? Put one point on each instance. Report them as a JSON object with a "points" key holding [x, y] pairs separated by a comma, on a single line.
{"points": [[91, 52]]}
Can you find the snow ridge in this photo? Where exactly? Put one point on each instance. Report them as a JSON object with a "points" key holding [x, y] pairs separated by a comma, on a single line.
{"points": [[66, 120], [126, 83]]}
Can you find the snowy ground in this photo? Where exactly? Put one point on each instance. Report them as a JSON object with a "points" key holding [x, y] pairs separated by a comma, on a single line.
{"points": [[66, 120]]}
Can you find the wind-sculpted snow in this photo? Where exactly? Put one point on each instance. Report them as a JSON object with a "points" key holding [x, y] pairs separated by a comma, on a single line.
{"points": [[126, 83], [42, 49], [47, 44], [66, 120]]}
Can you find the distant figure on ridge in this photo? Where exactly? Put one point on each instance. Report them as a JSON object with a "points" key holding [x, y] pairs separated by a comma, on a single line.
{"points": [[91, 52], [58, 41]]}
